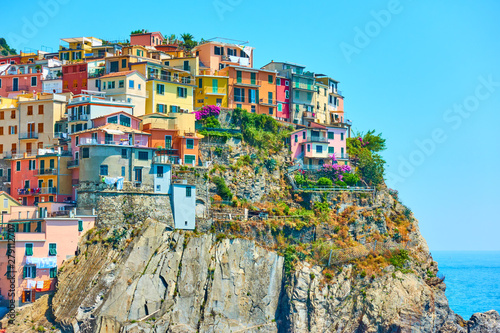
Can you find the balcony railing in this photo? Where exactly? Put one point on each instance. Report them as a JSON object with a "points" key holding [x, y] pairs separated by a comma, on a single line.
{"points": [[312, 138], [247, 82], [73, 164], [28, 135], [299, 85], [17, 155], [19, 88], [166, 159], [184, 68], [310, 115], [83, 117], [235, 59], [42, 172], [214, 90], [170, 78], [93, 73], [48, 190], [88, 141], [268, 101]]}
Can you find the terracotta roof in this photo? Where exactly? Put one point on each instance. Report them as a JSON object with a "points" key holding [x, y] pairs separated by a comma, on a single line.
{"points": [[117, 127], [7, 194], [125, 73], [112, 114]]}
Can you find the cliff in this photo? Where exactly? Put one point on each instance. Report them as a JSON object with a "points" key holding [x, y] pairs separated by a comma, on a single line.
{"points": [[345, 262]]}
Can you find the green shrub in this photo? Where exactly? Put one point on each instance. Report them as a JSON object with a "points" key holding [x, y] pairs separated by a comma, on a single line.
{"points": [[323, 181], [351, 179], [399, 258], [222, 188], [211, 122], [340, 183]]}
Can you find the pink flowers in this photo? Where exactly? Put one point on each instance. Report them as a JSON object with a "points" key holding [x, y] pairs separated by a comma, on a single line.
{"points": [[207, 111], [336, 171], [363, 144]]}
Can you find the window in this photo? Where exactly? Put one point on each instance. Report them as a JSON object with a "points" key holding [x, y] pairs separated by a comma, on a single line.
{"points": [[1, 130], [303, 135], [124, 153], [161, 108], [124, 63], [217, 50], [52, 249], [53, 272], [239, 95], [160, 89], [341, 136], [252, 96], [28, 249], [143, 155], [309, 95], [80, 225], [33, 81], [188, 191], [200, 83], [111, 84], [252, 78], [30, 110], [0, 83], [51, 198], [2, 114], [40, 128], [308, 148], [131, 84], [319, 149], [40, 109], [121, 83], [113, 120], [123, 171], [18, 165], [139, 86], [238, 76], [31, 164], [159, 171], [29, 271], [189, 159], [270, 111], [253, 108], [103, 170], [270, 79], [287, 94], [138, 174], [77, 140], [190, 144], [331, 135], [181, 92], [278, 81], [331, 150], [124, 120], [297, 94]]}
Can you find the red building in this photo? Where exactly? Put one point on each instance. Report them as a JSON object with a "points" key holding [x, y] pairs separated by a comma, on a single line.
{"points": [[24, 180], [283, 98], [147, 39], [18, 79], [12, 59], [74, 78]]}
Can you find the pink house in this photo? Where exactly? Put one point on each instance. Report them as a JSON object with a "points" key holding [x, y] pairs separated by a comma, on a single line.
{"points": [[42, 244], [147, 39], [312, 146], [283, 98]]}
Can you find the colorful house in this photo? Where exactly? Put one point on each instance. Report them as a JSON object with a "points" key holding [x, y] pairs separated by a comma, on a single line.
{"points": [[283, 98], [75, 78], [7, 202], [77, 49], [173, 136], [24, 179], [312, 147], [335, 100], [10, 59], [42, 245], [9, 127], [211, 90], [147, 38], [251, 89], [19, 79], [85, 107], [320, 101], [129, 86], [216, 54]]}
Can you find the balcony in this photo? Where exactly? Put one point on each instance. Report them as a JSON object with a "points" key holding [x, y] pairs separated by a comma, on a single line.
{"points": [[46, 172], [236, 60], [313, 138], [79, 117], [214, 91], [96, 72], [17, 155], [184, 68], [303, 86], [18, 88], [166, 159], [247, 83], [309, 115], [37, 191], [73, 164], [48, 190], [267, 101], [169, 78], [142, 142], [28, 136]]}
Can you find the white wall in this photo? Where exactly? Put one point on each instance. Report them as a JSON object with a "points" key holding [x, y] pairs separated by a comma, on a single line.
{"points": [[164, 182], [184, 208]]}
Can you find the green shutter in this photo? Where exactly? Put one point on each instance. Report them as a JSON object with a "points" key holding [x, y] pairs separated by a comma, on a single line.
{"points": [[238, 76], [53, 272], [215, 86], [80, 225], [25, 272], [52, 249], [29, 249]]}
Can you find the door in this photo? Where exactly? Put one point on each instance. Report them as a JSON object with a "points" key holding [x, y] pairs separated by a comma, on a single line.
{"points": [[113, 66], [28, 147], [130, 140], [186, 65], [42, 165], [31, 130], [215, 86], [168, 142], [15, 84], [108, 138], [138, 175]]}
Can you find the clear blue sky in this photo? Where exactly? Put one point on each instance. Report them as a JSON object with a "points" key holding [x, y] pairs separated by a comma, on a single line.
{"points": [[403, 80]]}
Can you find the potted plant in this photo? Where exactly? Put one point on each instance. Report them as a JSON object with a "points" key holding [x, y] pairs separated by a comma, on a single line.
{"points": [[38, 67]]}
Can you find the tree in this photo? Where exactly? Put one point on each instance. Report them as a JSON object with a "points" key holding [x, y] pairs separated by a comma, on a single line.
{"points": [[371, 167], [188, 43]]}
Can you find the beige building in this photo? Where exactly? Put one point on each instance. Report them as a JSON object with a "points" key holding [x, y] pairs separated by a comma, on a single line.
{"points": [[128, 86], [37, 117], [320, 101]]}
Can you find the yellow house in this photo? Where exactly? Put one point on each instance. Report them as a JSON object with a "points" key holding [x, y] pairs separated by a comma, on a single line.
{"points": [[78, 48], [7, 202], [184, 122], [54, 178], [188, 64], [9, 122], [320, 102], [168, 89], [211, 90]]}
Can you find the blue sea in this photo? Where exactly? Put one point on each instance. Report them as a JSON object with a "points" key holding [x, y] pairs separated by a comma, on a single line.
{"points": [[472, 280]]}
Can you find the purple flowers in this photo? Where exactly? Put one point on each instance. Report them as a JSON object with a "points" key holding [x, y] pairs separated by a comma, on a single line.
{"points": [[363, 144], [336, 171], [207, 111]]}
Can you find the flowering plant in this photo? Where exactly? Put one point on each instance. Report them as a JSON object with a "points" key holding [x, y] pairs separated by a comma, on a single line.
{"points": [[363, 143], [336, 171], [207, 111]]}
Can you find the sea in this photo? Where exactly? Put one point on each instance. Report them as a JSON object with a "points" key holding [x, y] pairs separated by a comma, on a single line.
{"points": [[472, 280]]}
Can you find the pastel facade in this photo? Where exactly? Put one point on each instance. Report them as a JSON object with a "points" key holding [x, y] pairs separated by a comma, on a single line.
{"points": [[9, 127], [147, 38], [75, 78], [78, 49], [7, 202], [129, 86], [42, 245], [215, 55], [20, 79], [211, 90], [335, 100], [184, 204], [283, 98]]}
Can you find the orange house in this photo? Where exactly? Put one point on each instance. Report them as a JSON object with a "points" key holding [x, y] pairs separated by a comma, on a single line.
{"points": [[147, 38], [251, 89], [215, 55]]}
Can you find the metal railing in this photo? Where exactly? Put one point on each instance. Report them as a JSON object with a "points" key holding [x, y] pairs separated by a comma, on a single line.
{"points": [[74, 163], [184, 68], [247, 82], [311, 138], [308, 114], [299, 85], [170, 78], [18, 88], [268, 101], [42, 172], [79, 117], [214, 90], [28, 135]]}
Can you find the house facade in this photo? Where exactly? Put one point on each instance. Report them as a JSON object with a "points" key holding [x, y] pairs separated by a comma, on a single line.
{"points": [[129, 86]]}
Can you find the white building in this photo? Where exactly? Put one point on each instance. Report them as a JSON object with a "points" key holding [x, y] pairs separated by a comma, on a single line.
{"points": [[184, 206]]}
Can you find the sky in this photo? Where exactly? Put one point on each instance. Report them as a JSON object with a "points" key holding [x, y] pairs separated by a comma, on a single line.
{"points": [[425, 74]]}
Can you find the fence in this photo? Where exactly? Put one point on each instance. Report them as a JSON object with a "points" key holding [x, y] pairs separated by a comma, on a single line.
{"points": [[337, 188]]}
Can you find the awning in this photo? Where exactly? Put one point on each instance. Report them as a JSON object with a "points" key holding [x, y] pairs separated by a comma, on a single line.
{"points": [[112, 131]]}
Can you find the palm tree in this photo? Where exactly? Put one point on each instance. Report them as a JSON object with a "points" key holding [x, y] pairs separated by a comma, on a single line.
{"points": [[187, 37]]}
